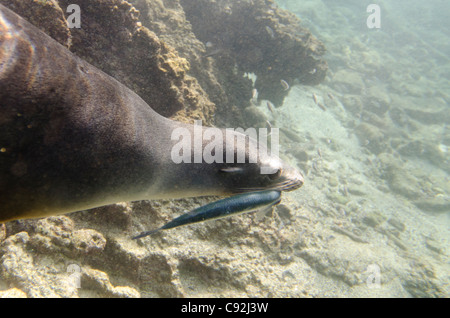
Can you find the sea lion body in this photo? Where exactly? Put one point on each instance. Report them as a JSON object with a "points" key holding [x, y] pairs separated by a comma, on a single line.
{"points": [[74, 138]]}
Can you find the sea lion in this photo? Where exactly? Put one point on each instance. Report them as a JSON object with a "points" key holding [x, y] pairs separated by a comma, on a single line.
{"points": [[73, 138]]}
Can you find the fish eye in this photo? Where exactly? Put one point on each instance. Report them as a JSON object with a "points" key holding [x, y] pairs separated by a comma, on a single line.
{"points": [[275, 175]]}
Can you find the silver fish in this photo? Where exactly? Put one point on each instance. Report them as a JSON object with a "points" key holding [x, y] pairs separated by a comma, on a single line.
{"points": [[269, 126], [241, 203], [270, 106], [213, 52], [254, 99], [284, 84], [321, 106], [270, 31], [254, 93]]}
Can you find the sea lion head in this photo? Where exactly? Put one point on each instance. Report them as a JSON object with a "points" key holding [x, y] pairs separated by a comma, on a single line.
{"points": [[237, 164], [262, 170]]}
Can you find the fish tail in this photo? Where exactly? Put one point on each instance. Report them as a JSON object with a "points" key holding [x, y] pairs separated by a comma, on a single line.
{"points": [[146, 233]]}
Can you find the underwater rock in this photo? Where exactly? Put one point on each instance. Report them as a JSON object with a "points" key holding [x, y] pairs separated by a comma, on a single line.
{"points": [[88, 241], [284, 212], [377, 100], [373, 219], [299, 153], [292, 135], [99, 281], [258, 37], [437, 155], [350, 81], [414, 148], [48, 16], [168, 21], [426, 150], [399, 117], [57, 234], [20, 269], [2, 232], [356, 190], [420, 281], [117, 216], [374, 105], [12, 293], [371, 137], [255, 117], [375, 120], [426, 192], [338, 198], [399, 179], [388, 162], [393, 237], [333, 181], [402, 182], [353, 104], [353, 236], [434, 246], [438, 204], [429, 112], [397, 224], [111, 34], [348, 262], [52, 234]]}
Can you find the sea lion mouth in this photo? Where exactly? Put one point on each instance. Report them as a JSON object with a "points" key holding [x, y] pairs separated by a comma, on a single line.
{"points": [[289, 185], [289, 180]]}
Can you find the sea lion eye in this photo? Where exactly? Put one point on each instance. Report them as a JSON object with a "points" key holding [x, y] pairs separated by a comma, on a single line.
{"points": [[275, 175]]}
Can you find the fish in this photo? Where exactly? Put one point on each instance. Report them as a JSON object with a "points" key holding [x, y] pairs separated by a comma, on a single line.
{"points": [[284, 84], [254, 93], [314, 96], [254, 98], [269, 126], [237, 204], [270, 106], [213, 52], [321, 106], [270, 31], [330, 96]]}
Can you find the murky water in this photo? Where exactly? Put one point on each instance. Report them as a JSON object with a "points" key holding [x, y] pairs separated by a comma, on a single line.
{"points": [[371, 139], [384, 161]]}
